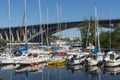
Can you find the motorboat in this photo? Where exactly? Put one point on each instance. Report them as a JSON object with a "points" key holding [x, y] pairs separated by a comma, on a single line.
{"points": [[33, 59], [76, 59], [56, 60], [94, 59], [111, 59]]}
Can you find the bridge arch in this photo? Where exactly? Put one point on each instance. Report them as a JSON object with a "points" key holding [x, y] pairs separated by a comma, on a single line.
{"points": [[34, 30]]}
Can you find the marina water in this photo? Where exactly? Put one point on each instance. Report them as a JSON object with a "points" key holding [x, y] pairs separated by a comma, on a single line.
{"points": [[65, 72]]}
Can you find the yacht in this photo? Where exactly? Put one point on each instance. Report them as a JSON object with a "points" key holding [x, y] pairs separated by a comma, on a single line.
{"points": [[112, 59]]}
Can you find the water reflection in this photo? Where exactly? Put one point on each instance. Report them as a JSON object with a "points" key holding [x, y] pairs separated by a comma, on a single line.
{"points": [[111, 70], [91, 69], [9, 66], [94, 72], [61, 72], [34, 68], [73, 68]]}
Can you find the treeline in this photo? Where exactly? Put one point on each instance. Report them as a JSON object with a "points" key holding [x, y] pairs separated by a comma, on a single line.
{"points": [[108, 39], [3, 42], [111, 38]]}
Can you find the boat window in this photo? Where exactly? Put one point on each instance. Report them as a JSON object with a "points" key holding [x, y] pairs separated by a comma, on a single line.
{"points": [[74, 56], [93, 56], [111, 56], [3, 55], [117, 57], [29, 54]]}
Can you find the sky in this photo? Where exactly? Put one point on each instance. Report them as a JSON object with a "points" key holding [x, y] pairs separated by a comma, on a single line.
{"points": [[71, 10]]}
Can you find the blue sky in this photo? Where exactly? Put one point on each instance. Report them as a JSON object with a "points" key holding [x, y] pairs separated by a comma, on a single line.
{"points": [[72, 10]]}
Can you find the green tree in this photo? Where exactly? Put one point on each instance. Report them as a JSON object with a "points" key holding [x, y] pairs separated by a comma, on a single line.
{"points": [[115, 38], [3, 42], [53, 38], [104, 39], [87, 29]]}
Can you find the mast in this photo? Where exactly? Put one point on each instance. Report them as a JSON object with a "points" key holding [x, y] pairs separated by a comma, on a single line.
{"points": [[40, 17], [58, 16], [58, 21], [9, 21], [97, 25], [88, 34], [21, 29], [25, 22], [61, 20], [47, 29], [110, 31]]}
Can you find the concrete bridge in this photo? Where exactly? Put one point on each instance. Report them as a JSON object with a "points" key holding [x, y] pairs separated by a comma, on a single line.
{"points": [[34, 31]]}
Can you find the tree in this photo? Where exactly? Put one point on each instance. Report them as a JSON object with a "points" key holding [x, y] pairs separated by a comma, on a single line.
{"points": [[104, 39], [53, 38], [3, 42], [87, 29], [115, 38]]}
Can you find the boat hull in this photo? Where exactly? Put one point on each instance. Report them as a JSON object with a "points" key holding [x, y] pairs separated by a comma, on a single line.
{"points": [[57, 62], [111, 63]]}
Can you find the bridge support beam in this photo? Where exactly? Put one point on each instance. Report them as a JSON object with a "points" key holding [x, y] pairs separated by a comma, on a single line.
{"points": [[18, 37], [12, 37], [6, 36], [1, 37]]}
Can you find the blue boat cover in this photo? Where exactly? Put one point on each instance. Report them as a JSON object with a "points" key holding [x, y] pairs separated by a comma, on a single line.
{"points": [[23, 49], [78, 58], [95, 51]]}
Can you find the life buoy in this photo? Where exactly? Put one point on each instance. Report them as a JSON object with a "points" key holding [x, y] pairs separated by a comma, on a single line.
{"points": [[31, 65], [14, 64], [36, 55], [37, 63]]}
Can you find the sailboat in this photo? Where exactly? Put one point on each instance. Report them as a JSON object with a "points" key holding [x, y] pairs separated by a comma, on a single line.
{"points": [[112, 59], [96, 56], [6, 59], [30, 58]]}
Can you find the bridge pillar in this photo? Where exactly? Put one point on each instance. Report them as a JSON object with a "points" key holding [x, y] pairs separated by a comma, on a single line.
{"points": [[6, 36], [12, 36], [18, 37], [1, 37], [24, 37], [30, 34]]}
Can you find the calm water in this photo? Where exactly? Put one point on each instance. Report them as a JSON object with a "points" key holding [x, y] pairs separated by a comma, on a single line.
{"points": [[42, 72]]}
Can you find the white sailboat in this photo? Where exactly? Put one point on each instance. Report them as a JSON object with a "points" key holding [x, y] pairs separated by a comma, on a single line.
{"points": [[96, 57], [76, 59], [32, 56], [7, 58], [111, 58]]}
